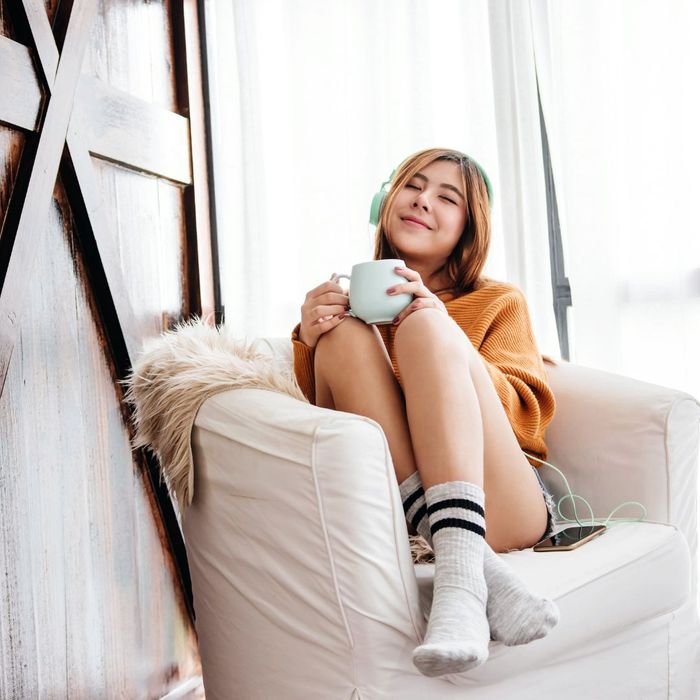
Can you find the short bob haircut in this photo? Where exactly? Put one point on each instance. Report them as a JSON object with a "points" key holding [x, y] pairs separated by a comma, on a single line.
{"points": [[465, 264]]}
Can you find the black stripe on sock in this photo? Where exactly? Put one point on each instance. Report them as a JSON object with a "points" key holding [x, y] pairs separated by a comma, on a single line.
{"points": [[456, 503], [410, 500], [457, 522], [418, 516]]}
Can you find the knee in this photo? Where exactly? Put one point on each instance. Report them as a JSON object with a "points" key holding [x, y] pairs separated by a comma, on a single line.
{"points": [[430, 323], [345, 337]]}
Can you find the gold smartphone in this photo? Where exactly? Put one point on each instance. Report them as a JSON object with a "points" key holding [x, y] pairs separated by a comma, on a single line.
{"points": [[569, 538]]}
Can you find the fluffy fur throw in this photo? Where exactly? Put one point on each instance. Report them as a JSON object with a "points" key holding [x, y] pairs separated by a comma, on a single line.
{"points": [[175, 373], [172, 377]]}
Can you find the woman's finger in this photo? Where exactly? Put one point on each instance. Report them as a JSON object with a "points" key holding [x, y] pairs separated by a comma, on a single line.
{"points": [[324, 288], [408, 273], [328, 311], [416, 288], [327, 322], [333, 298], [419, 303], [405, 312]]}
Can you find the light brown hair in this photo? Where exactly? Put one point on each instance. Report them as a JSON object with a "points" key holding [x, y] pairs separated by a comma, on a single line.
{"points": [[466, 261]]}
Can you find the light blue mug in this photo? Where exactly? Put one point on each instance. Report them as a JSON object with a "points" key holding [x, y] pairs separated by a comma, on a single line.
{"points": [[369, 300]]}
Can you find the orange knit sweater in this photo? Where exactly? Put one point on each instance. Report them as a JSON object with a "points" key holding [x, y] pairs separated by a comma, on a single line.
{"points": [[496, 320]]}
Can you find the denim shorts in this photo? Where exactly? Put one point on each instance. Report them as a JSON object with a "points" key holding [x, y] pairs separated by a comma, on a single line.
{"points": [[551, 505]]}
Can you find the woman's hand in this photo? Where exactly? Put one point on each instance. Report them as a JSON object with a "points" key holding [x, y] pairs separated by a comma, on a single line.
{"points": [[324, 308], [423, 297]]}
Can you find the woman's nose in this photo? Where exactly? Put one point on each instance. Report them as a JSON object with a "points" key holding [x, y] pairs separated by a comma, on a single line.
{"points": [[421, 201]]}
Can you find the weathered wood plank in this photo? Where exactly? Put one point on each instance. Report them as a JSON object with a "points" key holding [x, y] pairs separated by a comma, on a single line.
{"points": [[88, 606], [20, 94], [133, 132], [42, 36], [30, 229], [91, 606], [118, 126]]}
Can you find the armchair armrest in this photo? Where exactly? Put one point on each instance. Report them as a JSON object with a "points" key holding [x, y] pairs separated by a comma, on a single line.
{"points": [[620, 439], [297, 531]]}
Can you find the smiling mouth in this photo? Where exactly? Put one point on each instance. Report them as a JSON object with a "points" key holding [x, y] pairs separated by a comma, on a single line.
{"points": [[414, 223]]}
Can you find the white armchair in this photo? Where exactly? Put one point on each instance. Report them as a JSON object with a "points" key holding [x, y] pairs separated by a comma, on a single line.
{"points": [[303, 582]]}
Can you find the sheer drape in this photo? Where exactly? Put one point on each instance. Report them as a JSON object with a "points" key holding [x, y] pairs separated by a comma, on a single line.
{"points": [[621, 99], [314, 103]]}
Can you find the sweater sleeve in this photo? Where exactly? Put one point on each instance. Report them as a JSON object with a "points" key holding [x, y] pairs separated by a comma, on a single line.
{"points": [[511, 356], [304, 365]]}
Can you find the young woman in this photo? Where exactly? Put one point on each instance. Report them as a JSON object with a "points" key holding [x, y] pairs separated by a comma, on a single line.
{"points": [[459, 387]]}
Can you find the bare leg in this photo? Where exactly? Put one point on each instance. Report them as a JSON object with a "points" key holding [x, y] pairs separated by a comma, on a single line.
{"points": [[353, 373], [459, 428]]}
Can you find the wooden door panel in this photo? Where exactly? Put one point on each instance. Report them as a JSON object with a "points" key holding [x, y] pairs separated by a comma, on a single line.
{"points": [[91, 604], [104, 231], [146, 219], [141, 57]]}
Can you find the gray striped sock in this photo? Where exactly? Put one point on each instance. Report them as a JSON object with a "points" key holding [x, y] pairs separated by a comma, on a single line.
{"points": [[515, 614], [457, 638]]}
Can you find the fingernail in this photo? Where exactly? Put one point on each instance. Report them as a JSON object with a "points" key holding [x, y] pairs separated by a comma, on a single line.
{"points": [[391, 290], [343, 315]]}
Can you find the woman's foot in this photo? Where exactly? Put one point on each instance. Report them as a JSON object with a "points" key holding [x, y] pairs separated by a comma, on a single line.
{"points": [[515, 615], [457, 638]]}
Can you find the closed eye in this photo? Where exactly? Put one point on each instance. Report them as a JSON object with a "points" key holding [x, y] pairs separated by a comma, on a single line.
{"points": [[415, 187]]}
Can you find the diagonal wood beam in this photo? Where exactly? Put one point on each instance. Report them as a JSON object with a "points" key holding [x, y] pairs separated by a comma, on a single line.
{"points": [[44, 41], [31, 226], [79, 179]]}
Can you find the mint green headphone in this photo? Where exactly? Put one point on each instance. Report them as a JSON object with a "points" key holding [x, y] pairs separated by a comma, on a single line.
{"points": [[378, 198]]}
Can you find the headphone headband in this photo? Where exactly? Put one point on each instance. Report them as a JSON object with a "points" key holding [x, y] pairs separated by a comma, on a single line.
{"points": [[378, 198]]}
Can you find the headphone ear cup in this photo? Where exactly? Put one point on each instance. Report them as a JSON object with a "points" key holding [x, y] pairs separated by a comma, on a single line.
{"points": [[376, 207]]}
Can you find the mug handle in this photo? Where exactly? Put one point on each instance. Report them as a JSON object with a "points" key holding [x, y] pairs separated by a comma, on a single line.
{"points": [[347, 277]]}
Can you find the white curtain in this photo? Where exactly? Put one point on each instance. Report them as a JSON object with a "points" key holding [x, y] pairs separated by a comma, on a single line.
{"points": [[315, 103], [621, 98]]}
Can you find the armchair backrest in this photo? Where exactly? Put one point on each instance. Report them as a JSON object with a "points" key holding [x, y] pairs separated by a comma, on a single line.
{"points": [[621, 439]]}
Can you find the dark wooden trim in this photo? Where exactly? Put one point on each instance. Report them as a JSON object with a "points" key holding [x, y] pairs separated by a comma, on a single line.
{"points": [[219, 315], [188, 49]]}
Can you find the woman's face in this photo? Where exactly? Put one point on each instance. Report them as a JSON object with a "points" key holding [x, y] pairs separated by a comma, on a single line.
{"points": [[435, 197]]}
